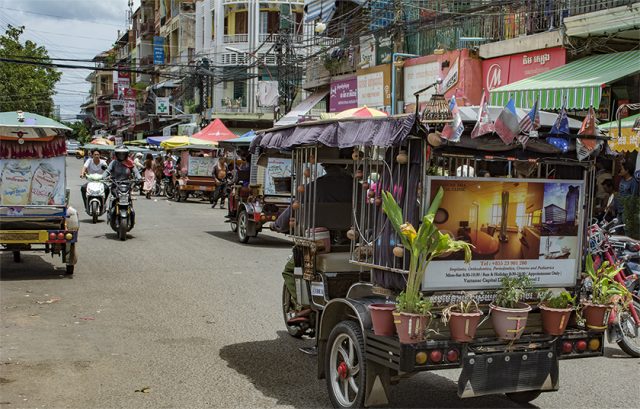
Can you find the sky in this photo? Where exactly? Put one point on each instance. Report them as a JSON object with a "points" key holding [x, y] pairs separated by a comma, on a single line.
{"points": [[68, 29]]}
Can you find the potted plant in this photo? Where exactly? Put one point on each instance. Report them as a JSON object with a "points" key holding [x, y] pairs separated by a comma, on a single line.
{"points": [[463, 318], [555, 311], [605, 292], [508, 312], [412, 315]]}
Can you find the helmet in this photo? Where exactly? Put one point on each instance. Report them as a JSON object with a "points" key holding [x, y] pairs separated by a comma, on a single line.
{"points": [[121, 153]]}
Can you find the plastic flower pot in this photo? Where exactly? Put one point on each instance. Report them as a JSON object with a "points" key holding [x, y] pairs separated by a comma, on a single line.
{"points": [[382, 319], [509, 323], [411, 327], [462, 326], [555, 320], [596, 316]]}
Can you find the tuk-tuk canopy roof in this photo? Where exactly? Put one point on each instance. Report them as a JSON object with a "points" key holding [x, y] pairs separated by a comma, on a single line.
{"points": [[245, 139], [17, 124], [181, 140], [338, 133]]}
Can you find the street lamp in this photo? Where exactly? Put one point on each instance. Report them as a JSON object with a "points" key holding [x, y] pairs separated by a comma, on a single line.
{"points": [[420, 91]]}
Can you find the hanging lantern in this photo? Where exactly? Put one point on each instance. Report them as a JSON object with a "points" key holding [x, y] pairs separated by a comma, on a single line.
{"points": [[300, 188], [351, 234], [402, 157], [436, 111], [320, 27], [398, 251]]}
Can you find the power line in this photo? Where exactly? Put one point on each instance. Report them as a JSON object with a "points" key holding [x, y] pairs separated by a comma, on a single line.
{"points": [[60, 17]]}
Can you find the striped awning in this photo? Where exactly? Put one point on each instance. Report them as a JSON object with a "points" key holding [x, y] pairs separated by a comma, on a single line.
{"points": [[580, 82], [322, 9]]}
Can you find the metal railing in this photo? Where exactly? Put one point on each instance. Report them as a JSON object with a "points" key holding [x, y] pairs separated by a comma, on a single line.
{"points": [[236, 38]]}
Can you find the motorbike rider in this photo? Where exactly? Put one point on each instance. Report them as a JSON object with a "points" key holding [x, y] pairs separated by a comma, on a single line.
{"points": [[93, 165], [122, 168]]}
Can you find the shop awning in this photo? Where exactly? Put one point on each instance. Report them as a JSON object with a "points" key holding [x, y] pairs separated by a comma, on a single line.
{"points": [[302, 108], [580, 82]]}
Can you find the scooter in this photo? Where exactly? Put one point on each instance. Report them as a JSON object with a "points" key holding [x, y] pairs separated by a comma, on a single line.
{"points": [[96, 197], [121, 215]]}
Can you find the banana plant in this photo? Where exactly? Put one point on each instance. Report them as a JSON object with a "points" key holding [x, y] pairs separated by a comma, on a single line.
{"points": [[605, 289], [423, 245]]}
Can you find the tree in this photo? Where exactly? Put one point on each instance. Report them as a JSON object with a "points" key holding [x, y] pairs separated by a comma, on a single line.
{"points": [[80, 131], [25, 87]]}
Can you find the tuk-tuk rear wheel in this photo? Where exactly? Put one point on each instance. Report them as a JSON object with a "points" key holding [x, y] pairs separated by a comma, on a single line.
{"points": [[243, 227]]}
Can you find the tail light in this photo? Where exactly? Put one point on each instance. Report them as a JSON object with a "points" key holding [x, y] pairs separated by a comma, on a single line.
{"points": [[567, 347], [68, 236], [52, 236], [61, 236], [581, 345], [421, 358], [435, 356], [453, 355], [594, 344]]}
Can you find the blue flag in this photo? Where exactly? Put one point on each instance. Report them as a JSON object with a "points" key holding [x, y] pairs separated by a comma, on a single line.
{"points": [[560, 127]]}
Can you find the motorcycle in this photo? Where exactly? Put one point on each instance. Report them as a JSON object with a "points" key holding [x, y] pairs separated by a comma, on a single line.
{"points": [[624, 325], [96, 197], [121, 216]]}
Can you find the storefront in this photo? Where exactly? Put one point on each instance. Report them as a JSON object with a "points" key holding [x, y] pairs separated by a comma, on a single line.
{"points": [[460, 70]]}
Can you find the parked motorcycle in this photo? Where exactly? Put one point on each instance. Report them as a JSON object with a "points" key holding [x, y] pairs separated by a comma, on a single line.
{"points": [[121, 215], [96, 197], [624, 325]]}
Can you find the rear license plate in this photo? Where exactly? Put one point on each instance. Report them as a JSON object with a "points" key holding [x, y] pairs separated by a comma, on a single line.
{"points": [[203, 188], [488, 374]]}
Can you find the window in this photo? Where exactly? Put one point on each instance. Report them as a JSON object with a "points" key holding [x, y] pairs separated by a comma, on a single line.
{"points": [[536, 217], [496, 214], [242, 22], [521, 216], [239, 90]]}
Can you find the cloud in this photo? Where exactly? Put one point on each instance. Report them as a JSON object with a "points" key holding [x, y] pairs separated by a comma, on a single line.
{"points": [[110, 11]]}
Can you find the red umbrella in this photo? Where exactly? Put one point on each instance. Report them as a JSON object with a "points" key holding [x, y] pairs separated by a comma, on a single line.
{"points": [[215, 132]]}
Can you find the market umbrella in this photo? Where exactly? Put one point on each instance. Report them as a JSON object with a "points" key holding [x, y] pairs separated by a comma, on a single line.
{"points": [[181, 140], [215, 132], [361, 112], [156, 140], [17, 127], [101, 141]]}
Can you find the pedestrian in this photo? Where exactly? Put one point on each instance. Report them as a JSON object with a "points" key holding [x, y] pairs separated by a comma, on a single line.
{"points": [[220, 178], [627, 189], [149, 176]]}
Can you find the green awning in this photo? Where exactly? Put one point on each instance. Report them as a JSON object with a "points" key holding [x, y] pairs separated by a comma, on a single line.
{"points": [[580, 82]]}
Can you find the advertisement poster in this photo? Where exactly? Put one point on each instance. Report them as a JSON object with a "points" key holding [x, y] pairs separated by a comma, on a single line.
{"points": [[384, 50], [32, 181], [343, 94], [367, 52], [158, 50], [277, 178], [517, 226], [419, 76], [374, 86], [117, 108], [201, 166]]}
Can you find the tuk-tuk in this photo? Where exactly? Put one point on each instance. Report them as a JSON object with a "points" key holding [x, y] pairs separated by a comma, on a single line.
{"points": [[34, 200], [194, 175], [517, 207], [259, 187]]}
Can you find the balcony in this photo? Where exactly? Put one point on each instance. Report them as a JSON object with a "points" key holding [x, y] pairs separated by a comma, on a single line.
{"points": [[273, 38], [236, 38]]}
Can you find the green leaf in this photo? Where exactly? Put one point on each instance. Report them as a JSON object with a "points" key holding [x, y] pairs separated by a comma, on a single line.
{"points": [[435, 203]]}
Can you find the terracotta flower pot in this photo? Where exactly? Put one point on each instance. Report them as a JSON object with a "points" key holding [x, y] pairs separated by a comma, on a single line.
{"points": [[463, 325], [509, 323], [382, 319], [411, 327], [596, 316], [554, 320]]}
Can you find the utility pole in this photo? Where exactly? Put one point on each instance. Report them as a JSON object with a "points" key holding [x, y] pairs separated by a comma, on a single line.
{"points": [[203, 79], [289, 71]]}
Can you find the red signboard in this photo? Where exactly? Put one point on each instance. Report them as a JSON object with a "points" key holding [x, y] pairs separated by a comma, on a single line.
{"points": [[501, 71]]}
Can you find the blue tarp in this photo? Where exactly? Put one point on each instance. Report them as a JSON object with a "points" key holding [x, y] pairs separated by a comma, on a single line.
{"points": [[243, 139], [155, 140]]}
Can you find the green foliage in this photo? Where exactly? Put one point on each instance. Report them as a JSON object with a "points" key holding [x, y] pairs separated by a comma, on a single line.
{"points": [[605, 290], [467, 305], [80, 131], [25, 87], [422, 305], [560, 301], [513, 290], [423, 245]]}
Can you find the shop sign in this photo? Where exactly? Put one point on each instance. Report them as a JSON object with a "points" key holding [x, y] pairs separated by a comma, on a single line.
{"points": [[162, 105], [501, 71], [419, 76], [517, 226], [452, 77], [343, 95], [367, 51], [374, 86], [117, 108], [384, 50], [158, 50], [130, 107]]}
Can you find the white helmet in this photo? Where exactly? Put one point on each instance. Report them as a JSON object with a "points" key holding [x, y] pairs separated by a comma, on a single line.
{"points": [[121, 152]]}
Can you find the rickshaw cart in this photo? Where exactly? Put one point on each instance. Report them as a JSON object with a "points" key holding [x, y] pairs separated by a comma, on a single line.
{"points": [[195, 176], [260, 187], [334, 289], [34, 202]]}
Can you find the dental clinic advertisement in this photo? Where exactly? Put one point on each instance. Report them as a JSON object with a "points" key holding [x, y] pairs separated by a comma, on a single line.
{"points": [[516, 226], [37, 182]]}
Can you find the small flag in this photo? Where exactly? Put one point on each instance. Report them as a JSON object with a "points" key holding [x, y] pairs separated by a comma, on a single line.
{"points": [[483, 124], [584, 147], [529, 123], [506, 125], [453, 131], [560, 126]]}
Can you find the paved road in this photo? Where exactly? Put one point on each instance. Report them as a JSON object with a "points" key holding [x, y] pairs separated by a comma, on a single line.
{"points": [[183, 309]]}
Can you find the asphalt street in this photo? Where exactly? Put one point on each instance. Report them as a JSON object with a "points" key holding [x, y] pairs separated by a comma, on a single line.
{"points": [[181, 316]]}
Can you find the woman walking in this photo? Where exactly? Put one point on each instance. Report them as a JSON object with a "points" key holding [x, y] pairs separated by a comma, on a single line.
{"points": [[149, 176]]}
